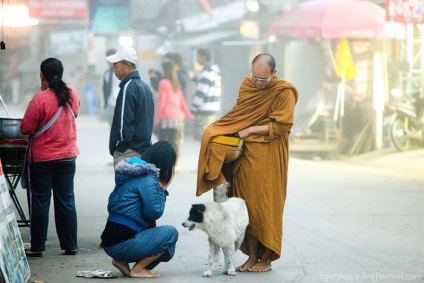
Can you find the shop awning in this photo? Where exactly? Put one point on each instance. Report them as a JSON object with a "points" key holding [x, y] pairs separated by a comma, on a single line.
{"points": [[336, 19]]}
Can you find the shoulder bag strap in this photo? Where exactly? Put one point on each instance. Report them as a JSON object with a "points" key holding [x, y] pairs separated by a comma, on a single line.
{"points": [[52, 120], [49, 123], [70, 110]]}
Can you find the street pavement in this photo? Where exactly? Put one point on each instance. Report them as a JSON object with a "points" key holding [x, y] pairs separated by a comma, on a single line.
{"points": [[386, 169]]}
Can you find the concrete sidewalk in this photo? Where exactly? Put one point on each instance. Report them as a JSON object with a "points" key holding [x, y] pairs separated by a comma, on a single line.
{"points": [[390, 162], [95, 180]]}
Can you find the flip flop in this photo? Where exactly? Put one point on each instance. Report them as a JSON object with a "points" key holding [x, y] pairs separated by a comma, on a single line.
{"points": [[30, 253], [85, 273], [105, 274]]}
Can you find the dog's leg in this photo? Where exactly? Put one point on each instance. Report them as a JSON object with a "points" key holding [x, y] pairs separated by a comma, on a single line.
{"points": [[229, 252], [239, 241], [213, 259]]}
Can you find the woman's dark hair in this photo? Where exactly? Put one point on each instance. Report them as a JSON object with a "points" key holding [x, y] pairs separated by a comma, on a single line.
{"points": [[170, 73], [175, 57], [162, 154], [52, 70]]}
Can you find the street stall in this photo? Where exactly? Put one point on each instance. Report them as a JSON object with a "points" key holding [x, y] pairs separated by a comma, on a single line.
{"points": [[352, 35], [12, 155]]}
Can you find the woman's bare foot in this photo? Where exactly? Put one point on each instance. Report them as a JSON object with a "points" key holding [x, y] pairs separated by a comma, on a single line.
{"points": [[247, 265], [139, 269], [143, 273], [122, 266], [261, 266]]}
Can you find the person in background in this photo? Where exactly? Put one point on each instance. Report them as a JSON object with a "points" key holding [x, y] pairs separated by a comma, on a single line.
{"points": [[171, 107], [133, 118], [110, 87], [138, 200], [262, 117], [206, 103], [183, 77], [52, 159]]}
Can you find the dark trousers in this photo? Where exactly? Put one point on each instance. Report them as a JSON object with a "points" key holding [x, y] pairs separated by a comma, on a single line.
{"points": [[173, 136], [59, 176], [200, 124]]}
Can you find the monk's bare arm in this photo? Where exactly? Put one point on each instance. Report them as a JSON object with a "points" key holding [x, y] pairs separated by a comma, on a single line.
{"points": [[282, 119], [258, 130]]}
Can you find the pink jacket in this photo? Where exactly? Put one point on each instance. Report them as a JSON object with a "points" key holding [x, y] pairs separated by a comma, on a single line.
{"points": [[59, 141], [171, 104]]}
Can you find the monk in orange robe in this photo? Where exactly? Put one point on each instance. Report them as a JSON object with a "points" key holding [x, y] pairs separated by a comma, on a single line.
{"points": [[262, 117]]}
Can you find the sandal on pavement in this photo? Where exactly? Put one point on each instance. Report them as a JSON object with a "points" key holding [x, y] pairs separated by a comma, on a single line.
{"points": [[99, 273], [107, 274], [70, 252], [30, 253], [83, 273]]}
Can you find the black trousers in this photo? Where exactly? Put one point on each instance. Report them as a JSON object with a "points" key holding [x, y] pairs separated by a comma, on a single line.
{"points": [[57, 175]]}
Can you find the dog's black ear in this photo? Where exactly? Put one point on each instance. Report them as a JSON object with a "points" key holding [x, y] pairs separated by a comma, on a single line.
{"points": [[199, 207], [196, 213]]}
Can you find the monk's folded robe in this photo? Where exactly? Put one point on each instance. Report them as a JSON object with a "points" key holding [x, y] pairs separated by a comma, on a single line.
{"points": [[259, 176]]}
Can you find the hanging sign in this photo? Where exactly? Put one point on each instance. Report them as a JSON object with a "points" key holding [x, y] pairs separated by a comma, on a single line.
{"points": [[75, 9], [109, 16], [405, 11]]}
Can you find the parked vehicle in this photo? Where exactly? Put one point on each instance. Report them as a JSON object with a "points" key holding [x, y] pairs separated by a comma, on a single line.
{"points": [[407, 127]]}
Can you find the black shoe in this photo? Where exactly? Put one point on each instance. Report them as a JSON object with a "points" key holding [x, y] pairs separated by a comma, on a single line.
{"points": [[70, 252], [30, 253]]}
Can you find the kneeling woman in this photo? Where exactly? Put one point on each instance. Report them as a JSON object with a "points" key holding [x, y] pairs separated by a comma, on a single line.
{"points": [[136, 202]]}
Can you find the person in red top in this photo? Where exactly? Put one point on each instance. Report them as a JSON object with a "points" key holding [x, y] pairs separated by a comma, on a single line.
{"points": [[170, 108], [52, 159]]}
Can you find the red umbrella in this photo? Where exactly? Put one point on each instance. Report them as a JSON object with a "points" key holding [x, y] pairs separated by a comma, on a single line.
{"points": [[336, 19]]}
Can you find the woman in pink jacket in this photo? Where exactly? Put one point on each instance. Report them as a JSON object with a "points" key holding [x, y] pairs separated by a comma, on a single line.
{"points": [[171, 107], [52, 159]]}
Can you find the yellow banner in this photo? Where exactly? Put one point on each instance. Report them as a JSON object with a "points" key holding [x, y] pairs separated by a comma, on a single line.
{"points": [[344, 61]]}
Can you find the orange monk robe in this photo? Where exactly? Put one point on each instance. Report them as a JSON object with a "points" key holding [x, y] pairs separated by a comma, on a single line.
{"points": [[259, 176]]}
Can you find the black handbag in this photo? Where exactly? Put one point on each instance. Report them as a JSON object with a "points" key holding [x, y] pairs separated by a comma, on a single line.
{"points": [[25, 170]]}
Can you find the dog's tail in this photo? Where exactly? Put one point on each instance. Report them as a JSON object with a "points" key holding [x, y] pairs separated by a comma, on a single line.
{"points": [[220, 192]]}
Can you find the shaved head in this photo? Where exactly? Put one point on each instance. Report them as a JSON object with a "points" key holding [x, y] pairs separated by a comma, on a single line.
{"points": [[264, 59], [263, 70]]}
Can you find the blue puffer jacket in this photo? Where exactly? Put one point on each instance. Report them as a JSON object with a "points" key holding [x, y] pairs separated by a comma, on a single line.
{"points": [[137, 197]]}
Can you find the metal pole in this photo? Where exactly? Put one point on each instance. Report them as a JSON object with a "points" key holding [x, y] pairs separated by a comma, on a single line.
{"points": [[4, 106]]}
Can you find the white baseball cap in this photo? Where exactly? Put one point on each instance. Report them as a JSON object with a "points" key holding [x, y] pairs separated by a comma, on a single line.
{"points": [[127, 54]]}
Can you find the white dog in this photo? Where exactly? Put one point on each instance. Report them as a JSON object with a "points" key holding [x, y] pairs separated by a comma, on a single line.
{"points": [[225, 223]]}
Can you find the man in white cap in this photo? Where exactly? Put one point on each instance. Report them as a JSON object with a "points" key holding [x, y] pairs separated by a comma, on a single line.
{"points": [[133, 118]]}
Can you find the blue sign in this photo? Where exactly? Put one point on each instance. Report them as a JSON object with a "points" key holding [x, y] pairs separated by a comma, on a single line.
{"points": [[109, 16]]}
